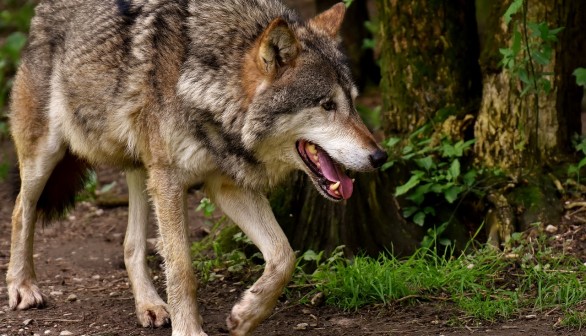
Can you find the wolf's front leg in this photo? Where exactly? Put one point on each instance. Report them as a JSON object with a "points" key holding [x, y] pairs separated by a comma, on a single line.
{"points": [[169, 197], [253, 214]]}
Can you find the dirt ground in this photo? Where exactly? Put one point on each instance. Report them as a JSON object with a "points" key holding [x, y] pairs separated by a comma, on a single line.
{"points": [[80, 268]]}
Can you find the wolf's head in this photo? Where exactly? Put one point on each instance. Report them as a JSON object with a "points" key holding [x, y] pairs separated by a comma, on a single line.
{"points": [[301, 104]]}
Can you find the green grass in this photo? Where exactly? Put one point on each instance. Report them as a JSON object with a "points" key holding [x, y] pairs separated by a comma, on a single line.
{"points": [[487, 284]]}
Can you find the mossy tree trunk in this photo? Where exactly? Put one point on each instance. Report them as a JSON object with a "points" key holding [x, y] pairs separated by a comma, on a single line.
{"points": [[516, 133], [521, 135], [429, 61], [428, 53]]}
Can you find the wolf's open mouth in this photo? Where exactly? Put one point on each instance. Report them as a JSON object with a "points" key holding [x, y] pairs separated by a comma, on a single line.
{"points": [[327, 173]]}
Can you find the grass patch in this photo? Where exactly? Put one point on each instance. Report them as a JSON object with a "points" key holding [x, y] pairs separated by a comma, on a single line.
{"points": [[486, 284]]}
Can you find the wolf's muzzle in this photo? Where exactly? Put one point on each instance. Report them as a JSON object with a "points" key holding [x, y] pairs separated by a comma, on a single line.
{"points": [[378, 158]]}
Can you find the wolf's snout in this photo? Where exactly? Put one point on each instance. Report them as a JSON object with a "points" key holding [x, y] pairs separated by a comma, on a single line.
{"points": [[378, 158]]}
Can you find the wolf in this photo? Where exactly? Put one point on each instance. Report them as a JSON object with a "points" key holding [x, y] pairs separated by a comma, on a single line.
{"points": [[233, 95]]}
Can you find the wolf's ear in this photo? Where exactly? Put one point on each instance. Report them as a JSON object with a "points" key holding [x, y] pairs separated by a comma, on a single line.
{"points": [[330, 21], [278, 47]]}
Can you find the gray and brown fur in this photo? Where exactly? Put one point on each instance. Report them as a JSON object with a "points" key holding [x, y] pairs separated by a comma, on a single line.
{"points": [[177, 93]]}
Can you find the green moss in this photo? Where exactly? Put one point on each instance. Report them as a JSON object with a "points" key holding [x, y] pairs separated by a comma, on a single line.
{"points": [[537, 201]]}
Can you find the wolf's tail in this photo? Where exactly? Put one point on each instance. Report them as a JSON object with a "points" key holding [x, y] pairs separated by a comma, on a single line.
{"points": [[58, 196]]}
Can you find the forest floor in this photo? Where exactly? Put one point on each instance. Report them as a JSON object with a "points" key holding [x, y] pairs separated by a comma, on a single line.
{"points": [[81, 257]]}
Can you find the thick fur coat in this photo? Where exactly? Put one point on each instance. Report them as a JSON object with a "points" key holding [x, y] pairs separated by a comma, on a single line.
{"points": [[232, 94]]}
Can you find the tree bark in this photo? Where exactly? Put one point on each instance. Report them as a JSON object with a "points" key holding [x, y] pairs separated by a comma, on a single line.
{"points": [[515, 133], [429, 61], [522, 135]]}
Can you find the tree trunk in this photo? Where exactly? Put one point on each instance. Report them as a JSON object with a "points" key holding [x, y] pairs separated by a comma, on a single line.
{"points": [[429, 53], [429, 61], [515, 133], [370, 221], [519, 134]]}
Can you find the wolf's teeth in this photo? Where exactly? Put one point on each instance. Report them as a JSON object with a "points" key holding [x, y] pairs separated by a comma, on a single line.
{"points": [[335, 186], [337, 193], [318, 165], [315, 158], [353, 180], [311, 148]]}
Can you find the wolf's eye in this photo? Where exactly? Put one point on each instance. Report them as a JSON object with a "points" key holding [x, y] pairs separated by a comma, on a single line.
{"points": [[329, 105]]}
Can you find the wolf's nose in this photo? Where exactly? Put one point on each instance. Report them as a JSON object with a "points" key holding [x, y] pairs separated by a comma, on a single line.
{"points": [[378, 158]]}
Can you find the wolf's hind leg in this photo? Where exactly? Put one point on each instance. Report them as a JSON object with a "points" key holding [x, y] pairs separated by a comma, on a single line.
{"points": [[253, 214], [35, 171], [151, 310]]}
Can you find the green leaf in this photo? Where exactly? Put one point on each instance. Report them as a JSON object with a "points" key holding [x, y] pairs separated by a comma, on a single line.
{"points": [[407, 149], [368, 44], [534, 28], [469, 143], [310, 255], [470, 177], [526, 90], [387, 165], [409, 211], [425, 163], [523, 76], [506, 51], [448, 150], [541, 57], [516, 46], [582, 146], [452, 193], [512, 10], [438, 188], [418, 195], [580, 74], [545, 85], [445, 242], [371, 26], [429, 211], [348, 3], [555, 31], [13, 45], [455, 169], [582, 163], [419, 218], [391, 142], [413, 182]]}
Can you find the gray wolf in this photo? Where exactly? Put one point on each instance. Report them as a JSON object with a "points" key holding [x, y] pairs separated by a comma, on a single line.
{"points": [[232, 94]]}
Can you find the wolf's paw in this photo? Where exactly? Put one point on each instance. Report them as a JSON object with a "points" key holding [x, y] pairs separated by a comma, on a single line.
{"points": [[153, 315], [25, 295], [180, 333], [237, 326]]}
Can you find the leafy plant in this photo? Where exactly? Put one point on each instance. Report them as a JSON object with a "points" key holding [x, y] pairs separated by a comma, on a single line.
{"points": [[14, 22], [574, 169], [436, 174], [579, 142], [580, 74], [373, 28], [348, 3], [527, 57], [206, 207], [530, 50]]}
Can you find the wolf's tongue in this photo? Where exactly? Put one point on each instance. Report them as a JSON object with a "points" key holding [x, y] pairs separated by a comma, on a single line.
{"points": [[333, 173]]}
